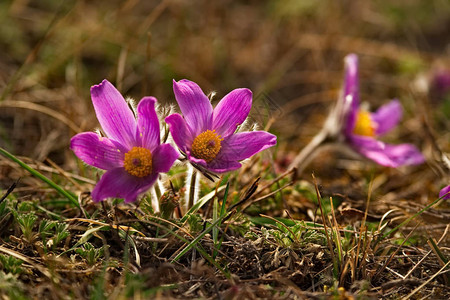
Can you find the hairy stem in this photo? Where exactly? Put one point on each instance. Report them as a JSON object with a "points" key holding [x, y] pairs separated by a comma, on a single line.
{"points": [[192, 189], [304, 156]]}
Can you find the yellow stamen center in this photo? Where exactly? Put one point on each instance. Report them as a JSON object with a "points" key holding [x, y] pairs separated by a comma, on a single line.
{"points": [[138, 162], [206, 145], [364, 124]]}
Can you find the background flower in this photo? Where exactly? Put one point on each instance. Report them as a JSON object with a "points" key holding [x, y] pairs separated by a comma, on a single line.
{"points": [[131, 153], [207, 136], [444, 191], [362, 128]]}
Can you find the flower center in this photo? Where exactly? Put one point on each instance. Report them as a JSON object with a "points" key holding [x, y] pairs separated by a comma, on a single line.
{"points": [[138, 162], [364, 124], [206, 145]]}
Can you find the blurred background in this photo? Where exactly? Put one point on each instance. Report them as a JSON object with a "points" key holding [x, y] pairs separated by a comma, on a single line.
{"points": [[289, 53]]}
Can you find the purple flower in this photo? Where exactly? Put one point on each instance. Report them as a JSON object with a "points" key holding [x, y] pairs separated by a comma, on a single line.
{"points": [[131, 153], [445, 192], [208, 136], [362, 128], [440, 83]]}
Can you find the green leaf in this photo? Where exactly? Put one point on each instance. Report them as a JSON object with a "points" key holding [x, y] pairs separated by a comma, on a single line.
{"points": [[200, 203], [35, 173]]}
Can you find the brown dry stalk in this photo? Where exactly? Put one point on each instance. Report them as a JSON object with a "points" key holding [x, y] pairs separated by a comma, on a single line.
{"points": [[395, 252], [42, 109], [428, 281], [29, 261], [428, 253]]}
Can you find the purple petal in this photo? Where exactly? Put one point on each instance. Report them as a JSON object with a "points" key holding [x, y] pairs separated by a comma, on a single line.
{"points": [[231, 111], [405, 154], [394, 155], [198, 161], [117, 183], [387, 116], [243, 145], [163, 158], [180, 132], [148, 123], [194, 105], [366, 142], [216, 166], [97, 151], [351, 90], [222, 166], [113, 113], [378, 156], [351, 81], [444, 192]]}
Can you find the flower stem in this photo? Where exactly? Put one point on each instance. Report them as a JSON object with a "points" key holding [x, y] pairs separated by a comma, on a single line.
{"points": [[192, 190], [155, 196], [304, 157], [157, 190]]}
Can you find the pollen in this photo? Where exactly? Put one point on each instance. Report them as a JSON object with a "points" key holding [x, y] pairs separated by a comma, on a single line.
{"points": [[206, 145], [138, 162], [364, 124]]}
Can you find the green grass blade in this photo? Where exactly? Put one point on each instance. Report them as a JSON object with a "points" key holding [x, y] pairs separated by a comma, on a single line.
{"points": [[215, 231], [224, 201], [199, 237], [412, 217], [438, 251], [223, 211], [35, 173], [192, 244], [200, 203]]}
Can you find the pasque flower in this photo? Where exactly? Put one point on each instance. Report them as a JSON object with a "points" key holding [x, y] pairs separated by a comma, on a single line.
{"points": [[445, 192], [440, 83], [361, 128], [349, 124], [131, 152], [208, 136]]}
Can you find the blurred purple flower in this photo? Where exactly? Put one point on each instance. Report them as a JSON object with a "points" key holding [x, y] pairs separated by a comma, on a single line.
{"points": [[207, 136], [444, 192], [131, 153], [440, 83], [362, 128]]}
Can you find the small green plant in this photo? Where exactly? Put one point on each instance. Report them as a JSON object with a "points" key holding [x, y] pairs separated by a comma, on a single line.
{"points": [[11, 286], [195, 223], [135, 284], [90, 253], [52, 233], [296, 235], [25, 206], [61, 233], [11, 264], [45, 228], [3, 208], [26, 224]]}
